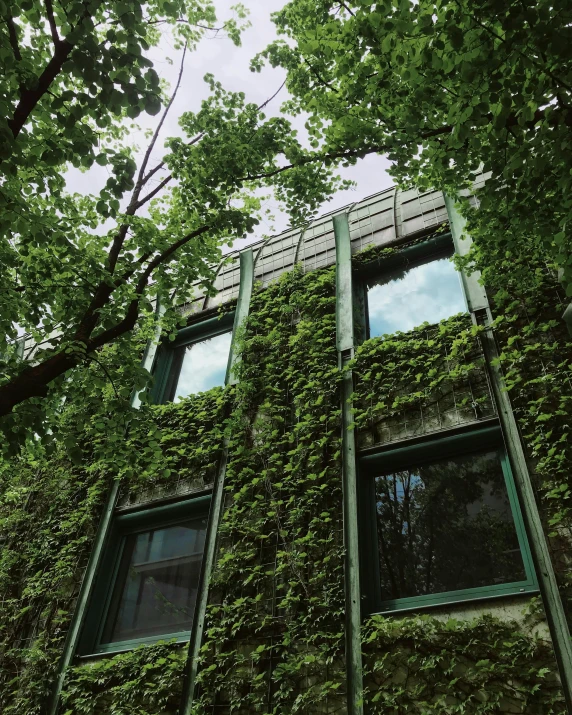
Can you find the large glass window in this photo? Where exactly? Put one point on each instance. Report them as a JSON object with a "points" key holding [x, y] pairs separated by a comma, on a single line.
{"points": [[446, 528], [149, 577], [198, 366], [157, 580], [196, 361], [403, 298]]}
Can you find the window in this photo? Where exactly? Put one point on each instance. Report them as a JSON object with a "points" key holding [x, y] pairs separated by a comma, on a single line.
{"points": [[196, 361], [149, 577], [414, 289], [444, 524]]}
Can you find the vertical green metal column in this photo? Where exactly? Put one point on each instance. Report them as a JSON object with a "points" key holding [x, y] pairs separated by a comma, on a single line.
{"points": [[555, 615], [345, 346], [98, 547], [191, 668]]}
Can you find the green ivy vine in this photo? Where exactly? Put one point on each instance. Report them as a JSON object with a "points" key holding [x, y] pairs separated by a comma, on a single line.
{"points": [[420, 664], [429, 378], [49, 512], [145, 680], [275, 632], [274, 637]]}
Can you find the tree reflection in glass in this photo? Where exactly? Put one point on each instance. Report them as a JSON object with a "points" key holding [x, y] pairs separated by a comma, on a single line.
{"points": [[446, 526]]}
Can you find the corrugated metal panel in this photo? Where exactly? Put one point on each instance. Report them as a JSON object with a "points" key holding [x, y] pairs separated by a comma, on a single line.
{"points": [[318, 248], [386, 218]]}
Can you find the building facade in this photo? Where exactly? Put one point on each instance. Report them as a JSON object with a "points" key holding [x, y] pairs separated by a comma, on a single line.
{"points": [[348, 494]]}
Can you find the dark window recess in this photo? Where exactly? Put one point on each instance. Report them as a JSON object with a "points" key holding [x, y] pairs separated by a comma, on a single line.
{"points": [[404, 298], [198, 366], [156, 584], [446, 526]]}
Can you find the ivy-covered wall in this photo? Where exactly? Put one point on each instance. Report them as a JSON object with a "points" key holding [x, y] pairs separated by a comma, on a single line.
{"points": [[49, 512], [274, 637]]}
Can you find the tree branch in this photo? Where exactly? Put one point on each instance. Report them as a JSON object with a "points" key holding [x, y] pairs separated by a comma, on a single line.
{"points": [[528, 56], [103, 292], [140, 178], [317, 76], [196, 139], [153, 193], [52, 22], [342, 4], [13, 35], [132, 314], [29, 98]]}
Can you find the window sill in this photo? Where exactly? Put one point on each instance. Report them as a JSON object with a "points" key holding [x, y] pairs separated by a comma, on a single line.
{"points": [[423, 603], [112, 649]]}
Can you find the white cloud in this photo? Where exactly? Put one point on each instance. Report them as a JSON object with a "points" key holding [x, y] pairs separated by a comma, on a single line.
{"points": [[230, 65]]}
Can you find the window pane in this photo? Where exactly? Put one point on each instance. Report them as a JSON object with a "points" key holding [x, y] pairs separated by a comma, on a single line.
{"points": [[203, 366], [156, 586], [446, 526], [404, 299]]}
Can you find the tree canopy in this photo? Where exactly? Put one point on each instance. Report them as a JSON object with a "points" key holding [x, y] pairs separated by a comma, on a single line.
{"points": [[79, 271], [446, 88]]}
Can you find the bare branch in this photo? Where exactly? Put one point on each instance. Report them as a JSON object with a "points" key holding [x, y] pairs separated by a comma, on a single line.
{"points": [[140, 178], [52, 22], [162, 163], [267, 102], [153, 193], [134, 203], [13, 35], [152, 172], [342, 4], [132, 314]]}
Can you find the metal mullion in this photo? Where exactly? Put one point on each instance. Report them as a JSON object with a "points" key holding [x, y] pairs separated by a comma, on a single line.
{"points": [[554, 609], [100, 542], [345, 346], [217, 503], [517, 518]]}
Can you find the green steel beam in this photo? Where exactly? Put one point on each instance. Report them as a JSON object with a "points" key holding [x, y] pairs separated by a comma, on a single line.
{"points": [[474, 290], [345, 346], [191, 668], [555, 614], [97, 550]]}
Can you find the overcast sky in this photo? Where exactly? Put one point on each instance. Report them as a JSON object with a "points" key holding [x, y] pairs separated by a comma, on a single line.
{"points": [[230, 66]]}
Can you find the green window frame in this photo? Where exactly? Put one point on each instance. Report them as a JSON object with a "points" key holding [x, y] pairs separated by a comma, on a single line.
{"points": [[432, 248], [195, 333], [376, 462], [125, 525]]}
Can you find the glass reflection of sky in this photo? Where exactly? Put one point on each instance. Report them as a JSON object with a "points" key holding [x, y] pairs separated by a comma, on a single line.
{"points": [[204, 365], [402, 300]]}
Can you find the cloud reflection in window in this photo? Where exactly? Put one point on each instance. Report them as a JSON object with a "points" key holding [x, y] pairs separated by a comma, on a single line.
{"points": [[204, 365], [403, 299]]}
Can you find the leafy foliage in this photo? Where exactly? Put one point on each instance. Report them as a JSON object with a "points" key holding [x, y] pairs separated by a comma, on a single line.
{"points": [[445, 88], [147, 679], [275, 625], [49, 511], [81, 271], [274, 633], [420, 664], [429, 378], [535, 355]]}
